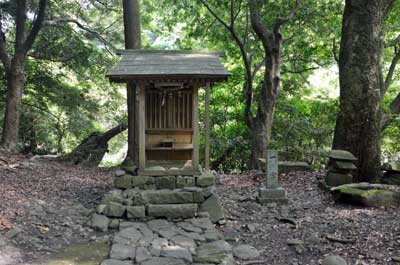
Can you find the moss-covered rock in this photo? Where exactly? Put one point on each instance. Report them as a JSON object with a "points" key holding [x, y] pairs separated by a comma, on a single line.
{"points": [[373, 195]]}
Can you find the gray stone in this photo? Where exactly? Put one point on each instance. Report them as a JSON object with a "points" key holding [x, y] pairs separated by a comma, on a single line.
{"points": [[128, 236], [198, 196], [100, 222], [193, 235], [142, 254], [147, 234], [123, 182], [119, 172], [135, 212], [114, 209], [189, 227], [157, 245], [203, 223], [176, 252], [272, 169], [333, 260], [344, 165], [142, 181], [172, 210], [342, 155], [114, 224], [112, 197], [116, 262], [125, 224], [214, 252], [272, 195], [293, 166], [213, 206], [333, 179], [165, 182], [185, 242], [212, 235], [205, 180], [163, 261], [101, 208], [207, 192], [168, 197], [294, 242], [162, 227], [245, 252], [122, 252], [185, 181]]}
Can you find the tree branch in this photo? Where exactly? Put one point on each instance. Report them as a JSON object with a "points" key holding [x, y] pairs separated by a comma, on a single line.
{"points": [[60, 21], [394, 109], [37, 25], [389, 75], [215, 15], [281, 21], [4, 57], [393, 42], [334, 50]]}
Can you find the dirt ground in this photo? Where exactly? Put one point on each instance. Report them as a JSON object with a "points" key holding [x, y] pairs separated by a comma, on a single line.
{"points": [[44, 207]]}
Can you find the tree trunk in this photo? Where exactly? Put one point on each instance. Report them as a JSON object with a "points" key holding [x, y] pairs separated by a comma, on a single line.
{"points": [[132, 41], [91, 150], [358, 125], [15, 86]]}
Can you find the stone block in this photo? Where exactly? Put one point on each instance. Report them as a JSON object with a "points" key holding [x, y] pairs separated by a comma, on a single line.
{"points": [[205, 180], [122, 252], [213, 206], [168, 197], [185, 181], [172, 210], [198, 196], [100, 209], [114, 209], [165, 182], [123, 182], [342, 155], [111, 197], [114, 224], [135, 212], [142, 181], [100, 222], [277, 195], [334, 179]]}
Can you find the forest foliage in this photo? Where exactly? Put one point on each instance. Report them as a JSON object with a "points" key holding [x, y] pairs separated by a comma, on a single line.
{"points": [[67, 95]]}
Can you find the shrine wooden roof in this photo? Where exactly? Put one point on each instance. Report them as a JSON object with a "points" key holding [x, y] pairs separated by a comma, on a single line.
{"points": [[168, 64]]}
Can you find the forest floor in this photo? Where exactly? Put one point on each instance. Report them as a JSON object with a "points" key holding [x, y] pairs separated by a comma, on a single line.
{"points": [[44, 207]]}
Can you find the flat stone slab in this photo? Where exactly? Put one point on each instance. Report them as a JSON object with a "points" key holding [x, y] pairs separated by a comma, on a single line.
{"points": [[342, 155], [272, 195], [245, 252], [163, 242]]}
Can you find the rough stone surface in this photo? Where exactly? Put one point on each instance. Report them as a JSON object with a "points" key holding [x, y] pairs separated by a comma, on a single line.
{"points": [[342, 155], [214, 252], [128, 236], [272, 195], [100, 222], [168, 197], [122, 252], [245, 252], [157, 245], [177, 252], [142, 254], [293, 166], [172, 210], [333, 179], [205, 180], [213, 206], [114, 224], [163, 261], [135, 212], [114, 209], [185, 242], [116, 262], [162, 227], [142, 181], [165, 182], [123, 182], [333, 260], [185, 181]]}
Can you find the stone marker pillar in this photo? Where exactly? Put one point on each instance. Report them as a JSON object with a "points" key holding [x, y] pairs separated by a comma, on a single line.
{"points": [[273, 192]]}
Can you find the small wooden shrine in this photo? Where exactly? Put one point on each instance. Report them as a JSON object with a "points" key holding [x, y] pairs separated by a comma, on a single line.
{"points": [[167, 106]]}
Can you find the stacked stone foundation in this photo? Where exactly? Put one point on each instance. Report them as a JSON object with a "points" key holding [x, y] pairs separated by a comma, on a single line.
{"points": [[147, 197]]}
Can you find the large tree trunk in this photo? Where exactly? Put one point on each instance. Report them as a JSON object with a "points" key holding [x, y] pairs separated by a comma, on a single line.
{"points": [[132, 41], [358, 125], [15, 86], [91, 150]]}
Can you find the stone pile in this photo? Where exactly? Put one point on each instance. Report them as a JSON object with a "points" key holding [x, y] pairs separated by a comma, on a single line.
{"points": [[391, 175], [139, 197], [340, 166], [162, 242]]}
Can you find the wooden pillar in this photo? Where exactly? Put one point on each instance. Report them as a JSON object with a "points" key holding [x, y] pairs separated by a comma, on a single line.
{"points": [[142, 126], [207, 129], [195, 127]]}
